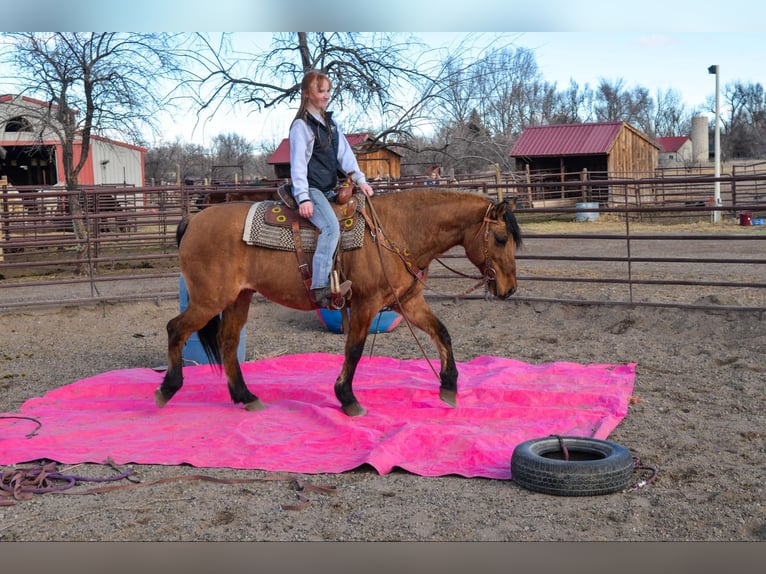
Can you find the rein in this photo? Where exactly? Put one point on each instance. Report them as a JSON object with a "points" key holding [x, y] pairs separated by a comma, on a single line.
{"points": [[377, 234], [488, 274]]}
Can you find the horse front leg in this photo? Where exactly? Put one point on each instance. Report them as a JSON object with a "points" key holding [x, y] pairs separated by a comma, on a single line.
{"points": [[233, 319], [359, 326], [419, 314]]}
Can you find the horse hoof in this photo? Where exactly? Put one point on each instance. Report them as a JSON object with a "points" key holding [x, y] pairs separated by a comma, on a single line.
{"points": [[449, 397], [159, 398], [255, 405], [354, 410]]}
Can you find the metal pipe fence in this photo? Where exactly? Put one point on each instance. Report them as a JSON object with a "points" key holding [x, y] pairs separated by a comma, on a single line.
{"points": [[643, 242]]}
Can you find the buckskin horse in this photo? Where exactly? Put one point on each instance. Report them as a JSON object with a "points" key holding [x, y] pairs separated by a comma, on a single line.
{"points": [[403, 233]]}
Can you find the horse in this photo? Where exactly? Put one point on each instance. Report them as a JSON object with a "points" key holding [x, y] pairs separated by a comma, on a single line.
{"points": [[404, 232]]}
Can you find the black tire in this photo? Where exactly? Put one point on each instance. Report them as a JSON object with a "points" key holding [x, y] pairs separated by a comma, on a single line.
{"points": [[593, 467]]}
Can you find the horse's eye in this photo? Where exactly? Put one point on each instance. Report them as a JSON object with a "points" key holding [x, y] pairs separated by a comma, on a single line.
{"points": [[501, 240]]}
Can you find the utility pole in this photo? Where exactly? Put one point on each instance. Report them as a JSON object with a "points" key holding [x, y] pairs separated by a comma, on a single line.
{"points": [[716, 215]]}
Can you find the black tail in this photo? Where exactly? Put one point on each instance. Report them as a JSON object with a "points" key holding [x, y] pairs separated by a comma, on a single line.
{"points": [[181, 229], [208, 337]]}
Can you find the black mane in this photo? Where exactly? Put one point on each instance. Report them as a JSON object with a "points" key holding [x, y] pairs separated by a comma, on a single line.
{"points": [[512, 225]]}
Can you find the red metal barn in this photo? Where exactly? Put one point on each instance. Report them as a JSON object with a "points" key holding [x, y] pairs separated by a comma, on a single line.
{"points": [[32, 152]]}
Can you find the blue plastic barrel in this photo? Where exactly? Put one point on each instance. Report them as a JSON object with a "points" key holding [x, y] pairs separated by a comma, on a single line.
{"points": [[587, 215], [193, 350], [383, 322]]}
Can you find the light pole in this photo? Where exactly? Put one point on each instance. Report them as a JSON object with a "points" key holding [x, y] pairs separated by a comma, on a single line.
{"points": [[716, 215]]}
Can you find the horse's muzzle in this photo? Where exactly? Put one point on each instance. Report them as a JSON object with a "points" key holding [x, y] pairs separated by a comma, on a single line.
{"points": [[507, 293]]}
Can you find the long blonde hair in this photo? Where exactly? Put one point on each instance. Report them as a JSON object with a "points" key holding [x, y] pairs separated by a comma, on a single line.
{"points": [[310, 79]]}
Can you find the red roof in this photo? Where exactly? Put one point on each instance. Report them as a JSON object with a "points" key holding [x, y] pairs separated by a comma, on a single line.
{"points": [[672, 144], [282, 153], [567, 139]]}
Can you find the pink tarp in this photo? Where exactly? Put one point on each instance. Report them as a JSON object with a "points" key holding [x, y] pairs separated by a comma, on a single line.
{"points": [[501, 402]]}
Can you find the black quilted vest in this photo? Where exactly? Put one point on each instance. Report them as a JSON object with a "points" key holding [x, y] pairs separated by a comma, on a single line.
{"points": [[323, 165]]}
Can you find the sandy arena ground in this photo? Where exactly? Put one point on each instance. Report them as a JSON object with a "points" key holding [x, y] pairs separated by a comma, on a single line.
{"points": [[698, 417]]}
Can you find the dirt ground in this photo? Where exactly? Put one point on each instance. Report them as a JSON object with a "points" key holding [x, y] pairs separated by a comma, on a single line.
{"points": [[698, 417]]}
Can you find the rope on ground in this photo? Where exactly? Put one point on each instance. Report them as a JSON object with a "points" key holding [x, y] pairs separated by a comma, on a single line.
{"points": [[23, 483], [652, 470], [34, 420]]}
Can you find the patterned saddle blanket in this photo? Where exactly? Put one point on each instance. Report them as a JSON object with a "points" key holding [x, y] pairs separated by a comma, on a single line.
{"points": [[269, 224]]}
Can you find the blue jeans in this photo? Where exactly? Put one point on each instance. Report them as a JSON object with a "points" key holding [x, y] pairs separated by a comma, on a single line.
{"points": [[327, 242]]}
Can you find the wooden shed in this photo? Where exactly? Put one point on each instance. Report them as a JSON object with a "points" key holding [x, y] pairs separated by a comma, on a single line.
{"points": [[374, 161], [569, 152], [615, 149]]}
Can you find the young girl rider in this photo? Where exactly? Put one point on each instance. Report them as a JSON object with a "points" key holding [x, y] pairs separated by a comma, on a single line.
{"points": [[318, 152]]}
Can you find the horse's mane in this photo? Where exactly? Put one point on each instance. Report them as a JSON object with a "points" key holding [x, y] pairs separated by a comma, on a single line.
{"points": [[512, 225]]}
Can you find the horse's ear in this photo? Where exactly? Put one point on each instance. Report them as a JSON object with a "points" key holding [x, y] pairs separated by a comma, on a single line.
{"points": [[504, 206]]}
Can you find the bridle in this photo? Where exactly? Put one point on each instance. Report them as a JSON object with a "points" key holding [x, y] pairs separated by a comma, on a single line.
{"points": [[383, 242], [488, 275]]}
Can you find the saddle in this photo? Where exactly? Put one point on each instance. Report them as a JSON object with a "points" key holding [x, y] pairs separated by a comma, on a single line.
{"points": [[270, 224], [282, 214], [344, 193], [278, 225]]}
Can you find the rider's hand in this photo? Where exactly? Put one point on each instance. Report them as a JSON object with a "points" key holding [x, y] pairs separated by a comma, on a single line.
{"points": [[306, 209], [366, 189]]}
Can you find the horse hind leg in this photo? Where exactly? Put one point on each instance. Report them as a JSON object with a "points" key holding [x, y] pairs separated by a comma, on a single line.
{"points": [[234, 318], [179, 331]]}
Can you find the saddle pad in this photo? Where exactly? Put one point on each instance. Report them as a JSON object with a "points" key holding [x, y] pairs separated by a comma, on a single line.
{"points": [[258, 231]]}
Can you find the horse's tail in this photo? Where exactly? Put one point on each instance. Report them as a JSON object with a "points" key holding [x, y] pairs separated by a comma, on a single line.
{"points": [[208, 338], [208, 335], [181, 229]]}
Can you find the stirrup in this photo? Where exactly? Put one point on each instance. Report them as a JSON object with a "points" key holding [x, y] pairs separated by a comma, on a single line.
{"points": [[339, 292]]}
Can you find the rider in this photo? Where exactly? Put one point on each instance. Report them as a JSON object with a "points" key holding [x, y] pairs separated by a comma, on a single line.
{"points": [[318, 152]]}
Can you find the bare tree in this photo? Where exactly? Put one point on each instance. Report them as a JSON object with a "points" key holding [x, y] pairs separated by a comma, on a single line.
{"points": [[373, 75], [671, 117], [231, 148], [572, 105], [95, 83], [613, 102], [178, 160], [101, 83], [745, 126], [485, 102]]}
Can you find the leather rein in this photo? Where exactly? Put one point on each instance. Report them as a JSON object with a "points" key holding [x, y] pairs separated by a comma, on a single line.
{"points": [[383, 242], [376, 231]]}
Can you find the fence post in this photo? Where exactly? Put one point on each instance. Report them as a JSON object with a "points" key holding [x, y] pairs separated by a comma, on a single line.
{"points": [[6, 224], [497, 182]]}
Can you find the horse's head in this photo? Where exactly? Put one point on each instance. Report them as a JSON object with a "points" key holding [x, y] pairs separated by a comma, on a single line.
{"points": [[493, 248]]}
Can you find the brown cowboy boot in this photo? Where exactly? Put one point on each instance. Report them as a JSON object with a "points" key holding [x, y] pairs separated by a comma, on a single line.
{"points": [[324, 295]]}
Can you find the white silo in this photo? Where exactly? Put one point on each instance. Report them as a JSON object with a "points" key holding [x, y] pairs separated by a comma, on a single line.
{"points": [[700, 140]]}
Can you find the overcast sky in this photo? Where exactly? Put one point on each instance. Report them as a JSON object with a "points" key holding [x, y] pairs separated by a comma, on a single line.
{"points": [[656, 61], [653, 44]]}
